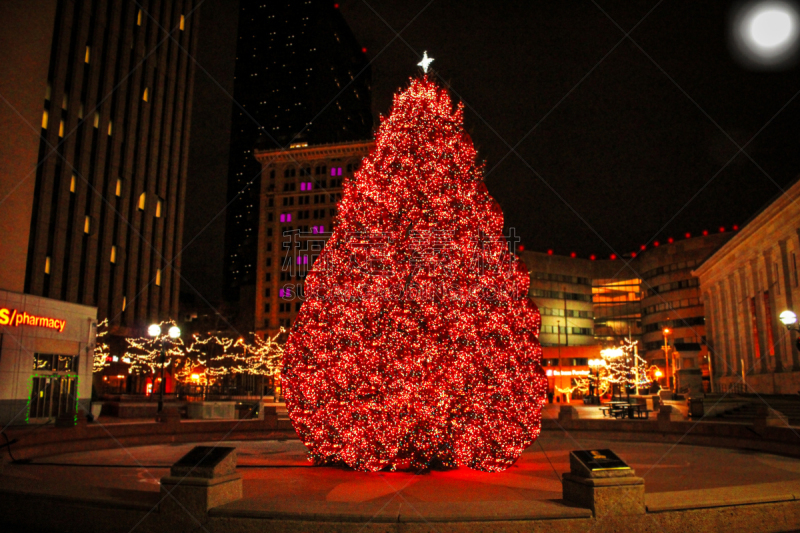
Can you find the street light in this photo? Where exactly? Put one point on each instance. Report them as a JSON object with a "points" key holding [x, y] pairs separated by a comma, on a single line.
{"points": [[788, 318], [155, 331], [666, 332]]}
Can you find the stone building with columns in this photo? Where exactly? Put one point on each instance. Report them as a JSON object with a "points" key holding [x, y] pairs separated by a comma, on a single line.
{"points": [[745, 285]]}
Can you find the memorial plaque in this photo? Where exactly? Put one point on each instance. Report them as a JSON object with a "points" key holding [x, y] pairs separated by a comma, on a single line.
{"points": [[598, 463], [206, 462]]}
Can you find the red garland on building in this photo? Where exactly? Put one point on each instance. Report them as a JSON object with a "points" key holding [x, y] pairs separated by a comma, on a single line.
{"points": [[417, 342]]}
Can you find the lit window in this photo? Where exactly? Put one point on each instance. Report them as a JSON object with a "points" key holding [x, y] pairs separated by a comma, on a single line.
{"points": [[88, 54], [113, 253], [142, 198], [118, 190], [96, 119], [72, 183], [109, 128], [60, 128], [45, 118], [183, 22], [124, 302], [47, 265], [139, 18], [146, 94], [158, 277], [159, 204], [87, 224]]}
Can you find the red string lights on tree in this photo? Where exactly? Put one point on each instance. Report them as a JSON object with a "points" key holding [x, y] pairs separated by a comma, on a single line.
{"points": [[417, 343]]}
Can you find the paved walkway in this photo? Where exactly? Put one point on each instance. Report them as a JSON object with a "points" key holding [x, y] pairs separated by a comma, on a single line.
{"points": [[278, 472]]}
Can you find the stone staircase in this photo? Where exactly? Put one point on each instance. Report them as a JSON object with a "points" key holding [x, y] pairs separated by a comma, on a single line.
{"points": [[279, 410], [745, 408]]}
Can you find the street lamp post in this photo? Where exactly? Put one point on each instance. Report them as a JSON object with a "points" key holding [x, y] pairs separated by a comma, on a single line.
{"points": [[155, 331], [788, 319], [666, 332]]}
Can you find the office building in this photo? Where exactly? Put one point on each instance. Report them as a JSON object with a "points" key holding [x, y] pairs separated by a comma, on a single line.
{"points": [[95, 203], [562, 289], [300, 77], [671, 302], [300, 190], [96, 128]]}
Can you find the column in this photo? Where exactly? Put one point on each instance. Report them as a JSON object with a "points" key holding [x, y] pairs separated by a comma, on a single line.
{"points": [[725, 315], [747, 321], [764, 350], [735, 316], [720, 358], [771, 318], [792, 358]]}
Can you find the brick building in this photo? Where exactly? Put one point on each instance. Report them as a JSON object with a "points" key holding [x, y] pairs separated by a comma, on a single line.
{"points": [[299, 192]]}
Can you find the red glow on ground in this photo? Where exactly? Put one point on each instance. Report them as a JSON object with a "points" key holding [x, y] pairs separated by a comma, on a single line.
{"points": [[722, 229], [573, 255], [688, 235], [670, 240], [592, 257], [549, 252], [656, 243], [613, 256]]}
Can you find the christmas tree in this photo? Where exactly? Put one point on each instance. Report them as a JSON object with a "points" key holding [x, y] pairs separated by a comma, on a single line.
{"points": [[417, 343]]}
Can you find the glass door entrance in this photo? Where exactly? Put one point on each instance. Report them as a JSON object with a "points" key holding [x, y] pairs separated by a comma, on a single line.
{"points": [[52, 395], [53, 385]]}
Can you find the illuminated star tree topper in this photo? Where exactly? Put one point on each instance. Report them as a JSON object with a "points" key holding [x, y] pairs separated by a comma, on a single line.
{"points": [[426, 61]]}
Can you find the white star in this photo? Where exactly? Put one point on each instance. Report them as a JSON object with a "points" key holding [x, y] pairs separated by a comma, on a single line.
{"points": [[425, 61]]}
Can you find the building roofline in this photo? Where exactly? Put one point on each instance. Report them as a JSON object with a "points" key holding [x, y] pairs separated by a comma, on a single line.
{"points": [[314, 152], [769, 211]]}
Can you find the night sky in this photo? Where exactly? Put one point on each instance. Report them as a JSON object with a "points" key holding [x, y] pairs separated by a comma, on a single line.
{"points": [[639, 147]]}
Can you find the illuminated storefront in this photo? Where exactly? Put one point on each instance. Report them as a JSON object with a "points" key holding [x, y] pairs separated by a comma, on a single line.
{"points": [[563, 365], [45, 357]]}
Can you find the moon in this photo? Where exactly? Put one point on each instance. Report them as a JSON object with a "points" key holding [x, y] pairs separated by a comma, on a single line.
{"points": [[771, 28], [765, 33]]}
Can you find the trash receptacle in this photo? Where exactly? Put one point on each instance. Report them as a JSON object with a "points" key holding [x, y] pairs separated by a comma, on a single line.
{"points": [[696, 408]]}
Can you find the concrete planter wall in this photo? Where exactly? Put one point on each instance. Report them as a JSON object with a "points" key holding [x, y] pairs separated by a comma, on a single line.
{"points": [[211, 410]]}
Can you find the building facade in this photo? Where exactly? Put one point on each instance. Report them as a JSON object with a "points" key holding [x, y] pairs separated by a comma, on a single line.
{"points": [[671, 301], [562, 289], [46, 356], [299, 192], [583, 302], [300, 77], [745, 285], [96, 208]]}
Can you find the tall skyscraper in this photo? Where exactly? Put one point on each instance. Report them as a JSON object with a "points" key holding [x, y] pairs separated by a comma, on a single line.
{"points": [[93, 195], [301, 77]]}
